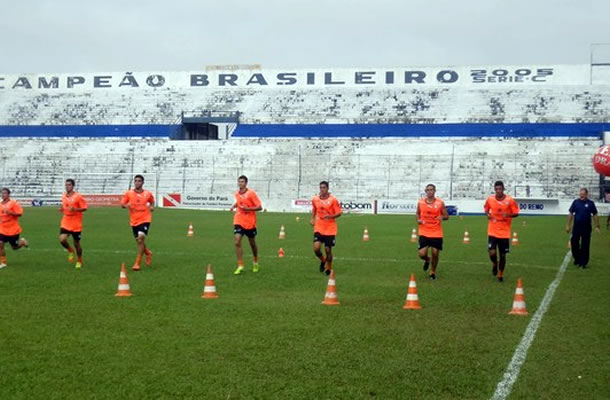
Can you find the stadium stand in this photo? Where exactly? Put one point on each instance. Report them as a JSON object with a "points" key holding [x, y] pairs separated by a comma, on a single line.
{"points": [[538, 139]]}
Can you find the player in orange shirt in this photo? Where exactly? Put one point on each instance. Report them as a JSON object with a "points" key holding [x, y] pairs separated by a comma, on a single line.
{"points": [[430, 212], [140, 204], [10, 211], [72, 206], [325, 209], [246, 205], [500, 210]]}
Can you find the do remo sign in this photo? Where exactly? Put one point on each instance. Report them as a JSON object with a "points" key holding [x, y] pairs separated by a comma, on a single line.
{"points": [[601, 160]]}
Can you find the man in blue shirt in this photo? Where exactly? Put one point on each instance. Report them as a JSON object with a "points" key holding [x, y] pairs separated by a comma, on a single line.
{"points": [[581, 211]]}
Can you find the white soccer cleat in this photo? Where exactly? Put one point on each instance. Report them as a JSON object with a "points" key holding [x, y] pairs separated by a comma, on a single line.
{"points": [[3, 265]]}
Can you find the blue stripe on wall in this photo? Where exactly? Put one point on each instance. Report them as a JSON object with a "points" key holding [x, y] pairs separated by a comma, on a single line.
{"points": [[323, 130], [425, 130], [86, 130]]}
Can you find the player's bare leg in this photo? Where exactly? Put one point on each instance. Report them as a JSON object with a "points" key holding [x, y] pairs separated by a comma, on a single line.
{"points": [[318, 252], [239, 252], [22, 243], [423, 254], [329, 259], [254, 248], [494, 259], [141, 245], [2, 255], [63, 240], [79, 254], [148, 254], [501, 267], [434, 262]]}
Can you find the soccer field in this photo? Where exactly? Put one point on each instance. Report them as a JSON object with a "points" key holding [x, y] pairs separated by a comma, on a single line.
{"points": [[65, 335]]}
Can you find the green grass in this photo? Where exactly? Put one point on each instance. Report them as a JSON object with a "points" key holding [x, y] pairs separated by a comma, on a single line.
{"points": [[65, 335]]}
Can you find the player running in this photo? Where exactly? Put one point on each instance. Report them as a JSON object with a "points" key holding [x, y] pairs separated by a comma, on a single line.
{"points": [[246, 205], [325, 209], [140, 204], [500, 209], [10, 211], [430, 212], [72, 206]]}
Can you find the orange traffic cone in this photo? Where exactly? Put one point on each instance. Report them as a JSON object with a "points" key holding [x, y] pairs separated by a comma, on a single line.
{"points": [[330, 299], [209, 290], [519, 301], [282, 233], [412, 302], [466, 237], [190, 232], [365, 235], [124, 290], [515, 241], [280, 253], [413, 236]]}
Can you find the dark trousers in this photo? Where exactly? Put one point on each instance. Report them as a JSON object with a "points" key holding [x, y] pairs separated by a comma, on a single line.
{"points": [[580, 243]]}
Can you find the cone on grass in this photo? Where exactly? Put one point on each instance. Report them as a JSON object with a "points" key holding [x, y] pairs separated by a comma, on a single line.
{"points": [[330, 298], [524, 223], [412, 301], [190, 232], [515, 240], [209, 290], [466, 237], [298, 218], [365, 235], [281, 253], [413, 236], [519, 301], [282, 234], [124, 290]]}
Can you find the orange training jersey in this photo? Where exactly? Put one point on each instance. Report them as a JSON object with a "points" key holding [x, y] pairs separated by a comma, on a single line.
{"points": [[138, 206], [72, 220], [246, 219], [499, 225], [9, 224], [324, 207], [429, 214]]}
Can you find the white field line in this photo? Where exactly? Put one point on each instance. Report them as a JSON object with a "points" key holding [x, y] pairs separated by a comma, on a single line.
{"points": [[514, 367], [357, 259]]}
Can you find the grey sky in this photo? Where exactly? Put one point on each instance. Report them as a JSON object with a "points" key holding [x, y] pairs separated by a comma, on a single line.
{"points": [[87, 36]]}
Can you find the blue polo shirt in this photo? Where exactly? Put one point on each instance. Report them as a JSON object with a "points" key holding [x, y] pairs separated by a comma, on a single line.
{"points": [[583, 210]]}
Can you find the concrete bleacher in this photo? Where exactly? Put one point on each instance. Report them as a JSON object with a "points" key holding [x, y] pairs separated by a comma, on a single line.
{"points": [[285, 169], [313, 106]]}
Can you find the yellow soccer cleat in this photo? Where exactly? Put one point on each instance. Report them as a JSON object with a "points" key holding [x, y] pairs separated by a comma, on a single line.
{"points": [[78, 265], [238, 271], [70, 257]]}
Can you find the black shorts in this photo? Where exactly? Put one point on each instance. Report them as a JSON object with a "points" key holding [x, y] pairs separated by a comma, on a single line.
{"points": [[328, 240], [75, 235], [144, 228], [239, 230], [12, 240], [502, 244], [425, 241]]}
